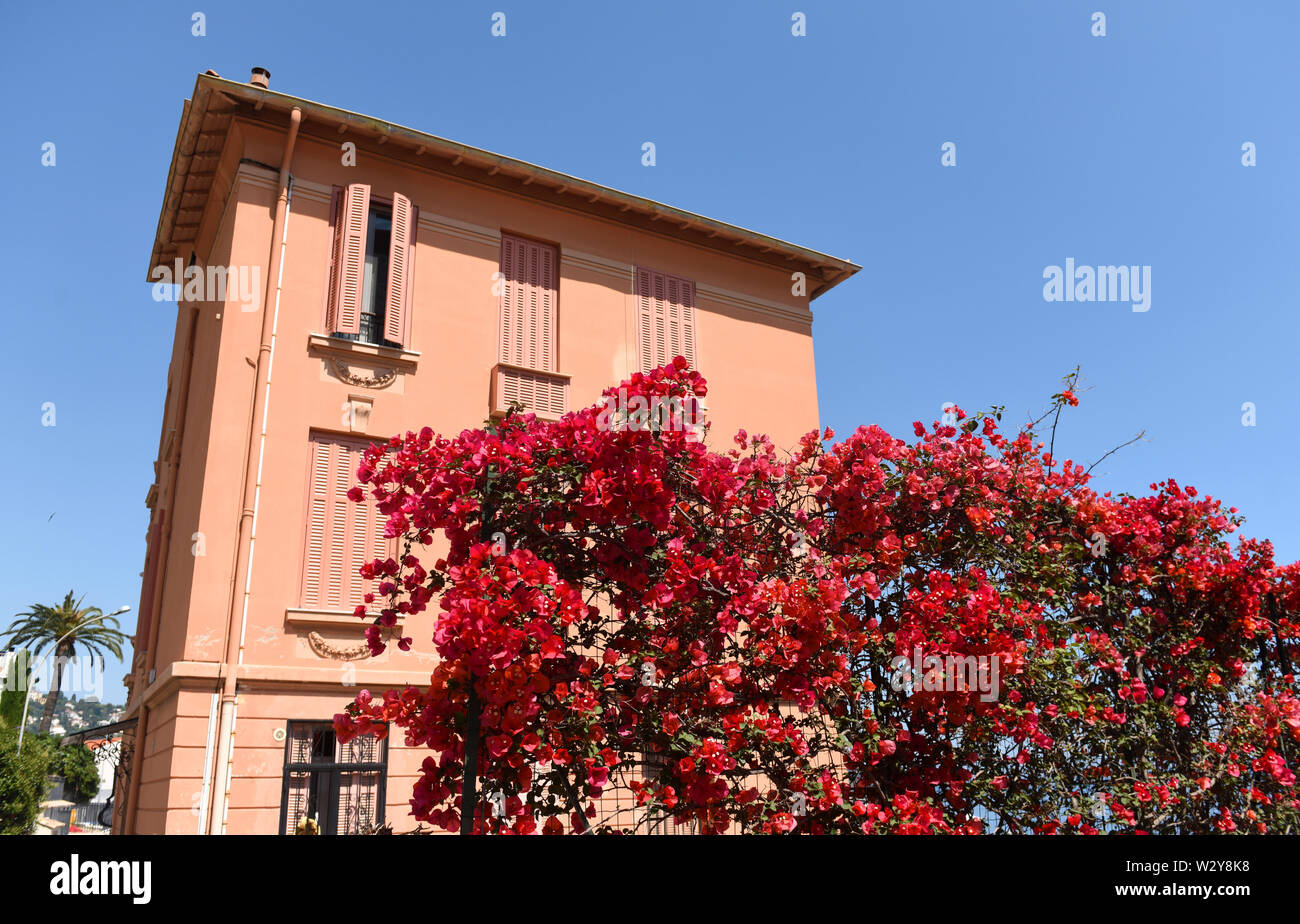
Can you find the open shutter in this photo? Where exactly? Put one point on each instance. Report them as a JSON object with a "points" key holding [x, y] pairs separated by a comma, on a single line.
{"points": [[665, 318], [529, 297], [332, 296], [400, 266], [349, 264]]}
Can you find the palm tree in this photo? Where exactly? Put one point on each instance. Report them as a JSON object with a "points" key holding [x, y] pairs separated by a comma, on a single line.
{"points": [[66, 627]]}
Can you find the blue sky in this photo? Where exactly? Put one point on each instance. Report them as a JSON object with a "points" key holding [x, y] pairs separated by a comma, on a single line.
{"points": [[1122, 149]]}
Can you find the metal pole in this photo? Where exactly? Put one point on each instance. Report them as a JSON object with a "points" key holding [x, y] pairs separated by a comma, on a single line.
{"points": [[469, 789], [469, 785]]}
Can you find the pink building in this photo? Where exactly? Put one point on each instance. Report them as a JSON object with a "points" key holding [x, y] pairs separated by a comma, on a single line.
{"points": [[347, 279]]}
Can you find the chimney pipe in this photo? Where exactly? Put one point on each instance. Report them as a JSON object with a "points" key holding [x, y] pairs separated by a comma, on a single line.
{"points": [[261, 78]]}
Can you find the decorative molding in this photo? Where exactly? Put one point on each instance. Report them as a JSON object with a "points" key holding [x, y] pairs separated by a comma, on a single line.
{"points": [[265, 178], [295, 616], [359, 408], [257, 176], [327, 649], [317, 192], [340, 369], [466, 231], [296, 676], [592, 263], [363, 365], [618, 269], [751, 303]]}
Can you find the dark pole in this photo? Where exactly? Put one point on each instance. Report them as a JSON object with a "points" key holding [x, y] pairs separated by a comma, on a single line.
{"points": [[469, 786], [469, 789]]}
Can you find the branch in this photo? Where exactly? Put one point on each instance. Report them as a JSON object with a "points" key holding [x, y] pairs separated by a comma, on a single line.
{"points": [[1115, 450]]}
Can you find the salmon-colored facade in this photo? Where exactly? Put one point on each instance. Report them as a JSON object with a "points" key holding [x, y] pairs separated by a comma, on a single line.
{"points": [[486, 278]]}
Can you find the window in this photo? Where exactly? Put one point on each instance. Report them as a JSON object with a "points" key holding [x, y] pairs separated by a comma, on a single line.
{"points": [[665, 318], [370, 274], [527, 352], [337, 788], [528, 303], [341, 535]]}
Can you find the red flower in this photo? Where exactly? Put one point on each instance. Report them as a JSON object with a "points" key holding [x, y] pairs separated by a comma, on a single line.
{"points": [[782, 822], [772, 592]]}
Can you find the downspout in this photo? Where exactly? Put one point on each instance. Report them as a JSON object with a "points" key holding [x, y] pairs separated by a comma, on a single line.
{"points": [[166, 522], [238, 616]]}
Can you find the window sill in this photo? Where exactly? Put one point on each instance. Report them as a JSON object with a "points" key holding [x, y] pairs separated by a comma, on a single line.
{"points": [[401, 359], [296, 616]]}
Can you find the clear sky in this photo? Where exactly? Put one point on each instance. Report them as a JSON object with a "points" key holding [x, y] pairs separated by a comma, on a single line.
{"points": [[1122, 149]]}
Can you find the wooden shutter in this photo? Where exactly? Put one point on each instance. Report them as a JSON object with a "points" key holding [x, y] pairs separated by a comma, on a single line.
{"points": [[529, 297], [665, 318], [344, 315], [341, 535], [318, 509], [401, 255]]}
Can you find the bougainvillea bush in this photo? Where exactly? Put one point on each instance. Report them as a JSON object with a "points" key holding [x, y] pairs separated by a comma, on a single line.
{"points": [[953, 634]]}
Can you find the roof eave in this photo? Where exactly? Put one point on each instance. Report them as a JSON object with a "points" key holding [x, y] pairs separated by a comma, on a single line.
{"points": [[831, 270]]}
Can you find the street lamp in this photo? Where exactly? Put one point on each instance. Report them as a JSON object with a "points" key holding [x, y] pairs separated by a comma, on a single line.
{"points": [[27, 696]]}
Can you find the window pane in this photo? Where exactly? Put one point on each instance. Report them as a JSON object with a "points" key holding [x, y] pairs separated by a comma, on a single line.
{"points": [[374, 286], [358, 801], [296, 801], [322, 745], [307, 805]]}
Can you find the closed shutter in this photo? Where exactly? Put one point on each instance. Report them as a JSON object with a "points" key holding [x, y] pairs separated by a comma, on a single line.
{"points": [[341, 535], [401, 255], [665, 318], [529, 297], [344, 313]]}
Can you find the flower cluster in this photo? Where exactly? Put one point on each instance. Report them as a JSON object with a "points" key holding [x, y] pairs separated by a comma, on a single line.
{"points": [[711, 633]]}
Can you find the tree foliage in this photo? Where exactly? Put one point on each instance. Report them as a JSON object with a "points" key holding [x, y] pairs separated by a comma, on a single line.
{"points": [[23, 780], [13, 690], [65, 628], [76, 764], [954, 634]]}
